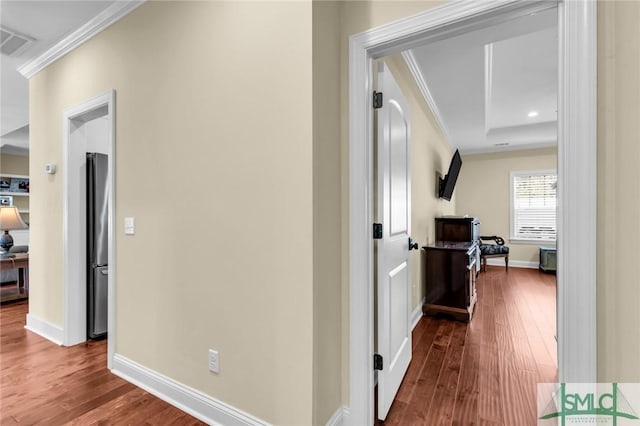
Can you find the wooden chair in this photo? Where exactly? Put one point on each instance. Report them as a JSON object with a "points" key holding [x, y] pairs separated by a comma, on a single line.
{"points": [[495, 249]]}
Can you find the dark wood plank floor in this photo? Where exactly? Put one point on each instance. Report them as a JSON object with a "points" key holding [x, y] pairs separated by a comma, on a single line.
{"points": [[42, 383], [484, 372]]}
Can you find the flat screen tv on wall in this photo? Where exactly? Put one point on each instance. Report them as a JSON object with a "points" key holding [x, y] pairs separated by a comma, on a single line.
{"points": [[448, 183]]}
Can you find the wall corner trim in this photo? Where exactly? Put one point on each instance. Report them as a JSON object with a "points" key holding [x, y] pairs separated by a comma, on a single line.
{"points": [[102, 21], [45, 329], [339, 418], [187, 399]]}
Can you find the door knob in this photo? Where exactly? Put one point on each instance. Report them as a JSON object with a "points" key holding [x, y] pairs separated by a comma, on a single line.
{"points": [[412, 245]]}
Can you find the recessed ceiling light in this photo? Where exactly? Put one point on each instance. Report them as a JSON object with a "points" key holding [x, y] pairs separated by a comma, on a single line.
{"points": [[533, 114]]}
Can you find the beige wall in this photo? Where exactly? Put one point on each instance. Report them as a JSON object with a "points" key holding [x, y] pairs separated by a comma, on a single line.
{"points": [[618, 191], [483, 191], [238, 182], [14, 164], [430, 154], [327, 363], [214, 160]]}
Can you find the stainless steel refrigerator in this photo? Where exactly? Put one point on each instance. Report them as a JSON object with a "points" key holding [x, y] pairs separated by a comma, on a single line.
{"points": [[97, 245]]}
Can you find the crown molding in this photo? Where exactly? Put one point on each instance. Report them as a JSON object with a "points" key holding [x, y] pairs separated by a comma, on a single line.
{"points": [[416, 72], [103, 20]]}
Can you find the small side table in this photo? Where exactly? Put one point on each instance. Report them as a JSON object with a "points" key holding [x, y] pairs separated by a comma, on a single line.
{"points": [[19, 261]]}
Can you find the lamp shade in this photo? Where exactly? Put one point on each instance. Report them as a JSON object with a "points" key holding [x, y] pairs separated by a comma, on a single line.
{"points": [[10, 219]]}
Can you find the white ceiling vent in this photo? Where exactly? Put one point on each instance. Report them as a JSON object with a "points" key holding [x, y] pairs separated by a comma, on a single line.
{"points": [[13, 43]]}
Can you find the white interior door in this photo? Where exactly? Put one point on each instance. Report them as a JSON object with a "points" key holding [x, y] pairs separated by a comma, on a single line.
{"points": [[393, 210]]}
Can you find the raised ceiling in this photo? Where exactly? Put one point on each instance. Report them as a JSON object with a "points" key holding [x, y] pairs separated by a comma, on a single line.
{"points": [[496, 88]]}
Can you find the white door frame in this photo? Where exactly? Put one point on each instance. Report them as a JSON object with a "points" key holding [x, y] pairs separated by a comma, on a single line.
{"points": [[75, 305], [576, 190]]}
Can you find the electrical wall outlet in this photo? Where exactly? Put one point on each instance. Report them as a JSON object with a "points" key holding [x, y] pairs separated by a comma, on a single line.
{"points": [[214, 366]]}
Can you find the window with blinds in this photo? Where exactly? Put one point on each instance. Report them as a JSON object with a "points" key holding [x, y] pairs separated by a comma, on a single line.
{"points": [[533, 205]]}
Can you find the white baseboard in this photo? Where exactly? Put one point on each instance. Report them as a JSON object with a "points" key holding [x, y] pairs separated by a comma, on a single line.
{"points": [[499, 261], [416, 314], [189, 400], [339, 418], [45, 329]]}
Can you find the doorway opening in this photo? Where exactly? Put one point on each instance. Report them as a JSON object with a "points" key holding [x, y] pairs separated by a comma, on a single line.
{"points": [[576, 162], [509, 313], [88, 128]]}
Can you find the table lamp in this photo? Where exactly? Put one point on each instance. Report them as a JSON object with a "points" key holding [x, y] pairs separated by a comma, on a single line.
{"points": [[9, 220]]}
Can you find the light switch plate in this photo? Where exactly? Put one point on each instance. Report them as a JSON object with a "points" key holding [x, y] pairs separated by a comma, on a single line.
{"points": [[129, 225], [214, 366]]}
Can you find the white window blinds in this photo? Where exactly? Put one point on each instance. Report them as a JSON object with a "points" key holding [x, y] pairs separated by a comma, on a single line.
{"points": [[533, 205]]}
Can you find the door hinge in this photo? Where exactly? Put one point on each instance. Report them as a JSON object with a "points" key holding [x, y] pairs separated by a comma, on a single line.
{"points": [[377, 100], [377, 362], [377, 231]]}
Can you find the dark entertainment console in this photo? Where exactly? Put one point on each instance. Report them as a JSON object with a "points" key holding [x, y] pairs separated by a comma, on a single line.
{"points": [[451, 267], [458, 229]]}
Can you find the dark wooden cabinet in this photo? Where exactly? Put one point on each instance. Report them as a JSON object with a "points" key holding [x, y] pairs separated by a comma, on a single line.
{"points": [[459, 229], [451, 279]]}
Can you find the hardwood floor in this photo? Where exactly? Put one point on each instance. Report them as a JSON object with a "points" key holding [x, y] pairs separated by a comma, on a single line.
{"points": [[42, 383], [484, 372], [478, 373]]}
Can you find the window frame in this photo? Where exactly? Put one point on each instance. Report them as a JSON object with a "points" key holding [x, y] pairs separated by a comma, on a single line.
{"points": [[512, 224]]}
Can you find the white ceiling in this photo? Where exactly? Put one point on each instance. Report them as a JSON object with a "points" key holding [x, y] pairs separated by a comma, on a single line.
{"points": [[485, 83], [47, 22]]}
